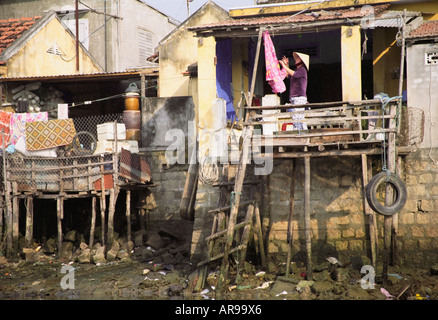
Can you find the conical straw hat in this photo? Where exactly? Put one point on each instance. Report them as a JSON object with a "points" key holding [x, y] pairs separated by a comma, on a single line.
{"points": [[304, 57]]}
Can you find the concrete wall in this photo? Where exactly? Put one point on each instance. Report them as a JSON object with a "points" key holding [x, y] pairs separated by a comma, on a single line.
{"points": [[422, 83]]}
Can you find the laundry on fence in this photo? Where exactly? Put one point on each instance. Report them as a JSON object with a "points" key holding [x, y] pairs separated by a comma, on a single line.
{"points": [[53, 133], [18, 123]]}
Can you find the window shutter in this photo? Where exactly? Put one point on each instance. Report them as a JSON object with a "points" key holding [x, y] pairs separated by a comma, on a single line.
{"points": [[145, 45]]}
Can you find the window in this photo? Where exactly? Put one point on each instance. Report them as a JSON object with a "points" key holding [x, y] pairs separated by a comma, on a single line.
{"points": [[145, 45]]}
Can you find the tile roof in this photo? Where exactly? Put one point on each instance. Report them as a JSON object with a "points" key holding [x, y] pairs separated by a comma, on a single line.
{"points": [[311, 16], [425, 30], [12, 29]]}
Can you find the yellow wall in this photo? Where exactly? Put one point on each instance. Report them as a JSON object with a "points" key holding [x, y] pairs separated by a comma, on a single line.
{"points": [[351, 63], [206, 88], [33, 60]]}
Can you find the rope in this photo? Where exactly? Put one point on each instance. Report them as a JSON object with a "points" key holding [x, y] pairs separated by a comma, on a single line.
{"points": [[385, 100]]}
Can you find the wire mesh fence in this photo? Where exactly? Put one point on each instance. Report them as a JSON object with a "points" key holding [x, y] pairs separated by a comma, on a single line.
{"points": [[76, 167]]}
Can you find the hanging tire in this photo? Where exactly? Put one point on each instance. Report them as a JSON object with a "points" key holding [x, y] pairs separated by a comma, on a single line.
{"points": [[399, 189]]}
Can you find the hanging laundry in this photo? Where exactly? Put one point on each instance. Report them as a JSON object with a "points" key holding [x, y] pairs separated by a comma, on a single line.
{"points": [[274, 75], [18, 123], [5, 118]]}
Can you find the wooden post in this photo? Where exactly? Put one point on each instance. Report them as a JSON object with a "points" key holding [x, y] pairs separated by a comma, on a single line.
{"points": [[389, 197], [245, 238], [114, 193], [93, 221], [190, 187], [8, 204], [128, 213], [369, 212], [102, 201], [290, 222], [258, 227], [307, 229], [29, 221], [15, 217], [59, 216]]}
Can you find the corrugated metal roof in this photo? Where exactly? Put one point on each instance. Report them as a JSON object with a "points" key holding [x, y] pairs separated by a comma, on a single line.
{"points": [[150, 72], [391, 19]]}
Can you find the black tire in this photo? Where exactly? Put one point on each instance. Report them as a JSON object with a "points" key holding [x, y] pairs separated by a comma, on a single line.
{"points": [[401, 194]]}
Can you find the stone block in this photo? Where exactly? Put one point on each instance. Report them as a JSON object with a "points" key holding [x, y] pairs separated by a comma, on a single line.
{"points": [[99, 256], [85, 256]]}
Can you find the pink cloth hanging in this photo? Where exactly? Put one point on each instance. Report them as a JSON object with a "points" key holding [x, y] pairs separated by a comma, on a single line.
{"points": [[274, 75]]}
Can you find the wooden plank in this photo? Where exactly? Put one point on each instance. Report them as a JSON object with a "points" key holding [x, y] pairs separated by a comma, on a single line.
{"points": [[324, 105], [227, 208], [218, 234]]}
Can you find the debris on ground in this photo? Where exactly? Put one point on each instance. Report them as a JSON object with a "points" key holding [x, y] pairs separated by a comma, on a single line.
{"points": [[159, 267]]}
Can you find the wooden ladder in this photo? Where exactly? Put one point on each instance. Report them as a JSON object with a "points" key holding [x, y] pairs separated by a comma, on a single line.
{"points": [[228, 232], [225, 227]]}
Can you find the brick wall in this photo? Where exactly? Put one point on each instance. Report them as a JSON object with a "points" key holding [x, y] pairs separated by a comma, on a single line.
{"points": [[337, 216]]}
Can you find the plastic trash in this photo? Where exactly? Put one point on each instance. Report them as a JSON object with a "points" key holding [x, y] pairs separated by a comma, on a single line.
{"points": [[261, 273], [333, 260], [265, 285], [387, 294]]}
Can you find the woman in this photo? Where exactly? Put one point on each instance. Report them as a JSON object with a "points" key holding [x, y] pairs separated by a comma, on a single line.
{"points": [[298, 85]]}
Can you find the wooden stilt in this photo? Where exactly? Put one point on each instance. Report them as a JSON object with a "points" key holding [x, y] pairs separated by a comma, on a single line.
{"points": [[2, 204], [29, 221], [369, 212], [102, 201], [389, 198], [258, 227], [102, 216], [307, 229], [114, 192], [59, 216], [15, 217], [93, 222], [128, 213], [244, 240], [290, 222]]}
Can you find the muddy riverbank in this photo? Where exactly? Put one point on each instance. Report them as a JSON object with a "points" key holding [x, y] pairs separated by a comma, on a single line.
{"points": [[166, 273]]}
